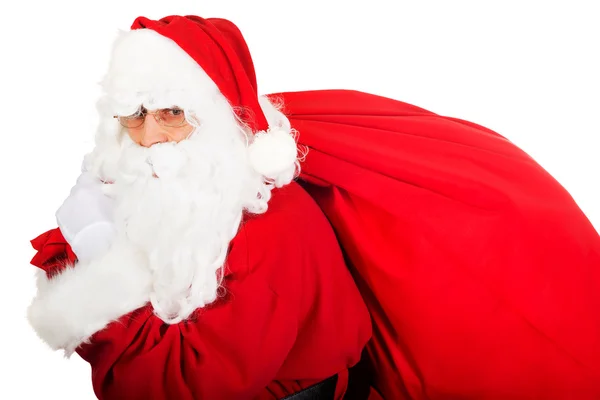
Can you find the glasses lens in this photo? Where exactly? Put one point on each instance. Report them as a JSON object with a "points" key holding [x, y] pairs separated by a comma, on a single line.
{"points": [[173, 117], [132, 121]]}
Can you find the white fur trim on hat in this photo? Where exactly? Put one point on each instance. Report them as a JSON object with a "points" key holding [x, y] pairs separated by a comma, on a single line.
{"points": [[273, 152], [150, 69]]}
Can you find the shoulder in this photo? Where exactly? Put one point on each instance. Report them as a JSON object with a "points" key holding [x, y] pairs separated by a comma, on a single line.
{"points": [[290, 237], [293, 246], [293, 216]]}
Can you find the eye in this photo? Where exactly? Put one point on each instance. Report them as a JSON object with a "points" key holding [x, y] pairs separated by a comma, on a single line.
{"points": [[176, 111]]}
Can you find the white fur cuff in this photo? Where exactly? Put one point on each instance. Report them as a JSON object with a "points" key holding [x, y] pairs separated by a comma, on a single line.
{"points": [[84, 298]]}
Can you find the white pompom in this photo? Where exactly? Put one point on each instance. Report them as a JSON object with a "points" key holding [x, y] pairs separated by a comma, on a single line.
{"points": [[272, 152]]}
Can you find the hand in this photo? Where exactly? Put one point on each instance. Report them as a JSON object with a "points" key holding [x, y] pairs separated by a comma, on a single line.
{"points": [[86, 218]]}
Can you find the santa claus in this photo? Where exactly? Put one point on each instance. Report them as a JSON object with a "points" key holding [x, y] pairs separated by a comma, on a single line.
{"points": [[189, 263], [195, 267]]}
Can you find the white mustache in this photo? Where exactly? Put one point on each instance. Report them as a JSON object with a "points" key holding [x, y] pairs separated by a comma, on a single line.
{"points": [[166, 159], [162, 160]]}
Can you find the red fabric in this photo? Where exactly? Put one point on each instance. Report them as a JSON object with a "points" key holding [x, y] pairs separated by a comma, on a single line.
{"points": [[53, 252], [481, 273], [218, 46], [291, 316]]}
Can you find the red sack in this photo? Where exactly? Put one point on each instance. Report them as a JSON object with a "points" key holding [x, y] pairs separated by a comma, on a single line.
{"points": [[481, 273]]}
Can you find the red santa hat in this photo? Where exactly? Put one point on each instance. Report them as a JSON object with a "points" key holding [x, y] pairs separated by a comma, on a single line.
{"points": [[219, 49]]}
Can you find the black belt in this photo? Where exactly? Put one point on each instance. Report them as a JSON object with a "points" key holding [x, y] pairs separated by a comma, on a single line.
{"points": [[324, 390], [358, 386]]}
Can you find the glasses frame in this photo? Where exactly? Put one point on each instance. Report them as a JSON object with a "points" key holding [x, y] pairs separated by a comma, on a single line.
{"points": [[156, 114]]}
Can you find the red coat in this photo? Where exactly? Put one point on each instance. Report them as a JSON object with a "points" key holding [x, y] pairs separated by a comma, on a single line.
{"points": [[291, 316]]}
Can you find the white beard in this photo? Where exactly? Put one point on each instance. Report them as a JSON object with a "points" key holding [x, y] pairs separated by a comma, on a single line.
{"points": [[181, 223]]}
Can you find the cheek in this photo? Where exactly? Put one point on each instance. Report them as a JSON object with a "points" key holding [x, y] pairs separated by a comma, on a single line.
{"points": [[135, 135], [182, 133]]}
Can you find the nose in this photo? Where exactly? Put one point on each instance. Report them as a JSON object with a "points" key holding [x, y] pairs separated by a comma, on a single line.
{"points": [[152, 132]]}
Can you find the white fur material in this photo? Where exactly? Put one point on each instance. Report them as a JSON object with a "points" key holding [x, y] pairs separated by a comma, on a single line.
{"points": [[150, 69], [273, 152], [174, 230], [86, 297]]}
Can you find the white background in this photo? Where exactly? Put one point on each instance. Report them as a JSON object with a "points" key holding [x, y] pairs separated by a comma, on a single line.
{"points": [[527, 70]]}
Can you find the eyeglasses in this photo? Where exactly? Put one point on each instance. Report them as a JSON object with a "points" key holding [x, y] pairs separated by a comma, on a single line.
{"points": [[171, 117]]}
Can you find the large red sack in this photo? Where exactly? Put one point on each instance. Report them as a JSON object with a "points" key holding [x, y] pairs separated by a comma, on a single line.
{"points": [[481, 273]]}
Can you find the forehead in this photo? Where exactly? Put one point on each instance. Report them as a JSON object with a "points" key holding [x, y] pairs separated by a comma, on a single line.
{"points": [[170, 108], [126, 105]]}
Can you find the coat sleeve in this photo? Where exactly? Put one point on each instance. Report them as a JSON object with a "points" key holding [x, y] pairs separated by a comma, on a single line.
{"points": [[231, 349]]}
